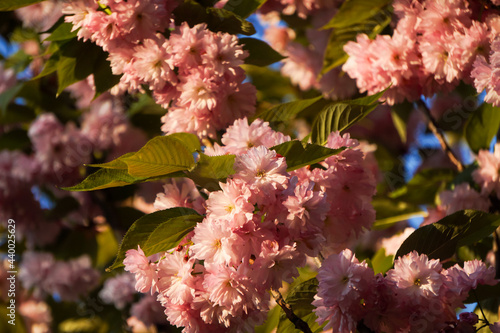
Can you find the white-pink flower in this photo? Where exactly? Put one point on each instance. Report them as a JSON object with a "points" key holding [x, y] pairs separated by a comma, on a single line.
{"points": [[416, 276], [487, 175], [145, 272]]}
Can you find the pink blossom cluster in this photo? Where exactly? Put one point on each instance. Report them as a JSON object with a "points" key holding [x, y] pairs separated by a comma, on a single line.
{"points": [[118, 290], [417, 295], [59, 149], [487, 175], [303, 8], [69, 280], [486, 73], [18, 173], [303, 64], [257, 230], [194, 73], [463, 197], [433, 48]]}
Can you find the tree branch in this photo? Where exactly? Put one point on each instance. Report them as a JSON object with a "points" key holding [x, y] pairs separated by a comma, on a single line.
{"points": [[299, 323], [433, 126]]}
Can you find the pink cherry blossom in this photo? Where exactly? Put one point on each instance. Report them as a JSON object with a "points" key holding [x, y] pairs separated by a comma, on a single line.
{"points": [[463, 197], [145, 272], [416, 276], [487, 175]]}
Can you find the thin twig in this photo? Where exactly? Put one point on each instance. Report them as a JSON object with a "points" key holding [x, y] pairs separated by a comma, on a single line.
{"points": [[479, 305], [299, 323], [433, 126]]}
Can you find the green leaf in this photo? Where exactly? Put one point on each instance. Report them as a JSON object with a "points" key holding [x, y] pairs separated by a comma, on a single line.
{"points": [[400, 114], [216, 19], [299, 154], [482, 127], [62, 32], [114, 164], [17, 114], [339, 116], [168, 235], [50, 66], [160, 156], [168, 226], [7, 5], [381, 262], [424, 186], [300, 299], [260, 53], [286, 111], [105, 178], [390, 212], [334, 53], [107, 246], [271, 85], [210, 170], [76, 62], [17, 139], [243, 8], [271, 322], [355, 11], [441, 239], [83, 325], [8, 95], [104, 79], [189, 140]]}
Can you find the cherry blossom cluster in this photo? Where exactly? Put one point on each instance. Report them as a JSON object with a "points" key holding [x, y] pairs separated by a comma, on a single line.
{"points": [[120, 291], [464, 196], [417, 295], [303, 8], [58, 153], [258, 229], [303, 64], [435, 45], [69, 280], [191, 71]]}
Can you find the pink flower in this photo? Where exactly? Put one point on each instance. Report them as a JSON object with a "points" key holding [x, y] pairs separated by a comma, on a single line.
{"points": [[153, 64], [392, 244], [487, 175], [148, 310], [495, 328], [233, 199], [7, 78], [416, 276], [276, 265], [118, 290], [104, 125], [487, 76], [463, 197], [181, 192], [145, 272], [301, 65], [343, 283], [215, 243], [223, 53], [261, 168], [307, 209], [240, 136], [279, 37], [175, 281]]}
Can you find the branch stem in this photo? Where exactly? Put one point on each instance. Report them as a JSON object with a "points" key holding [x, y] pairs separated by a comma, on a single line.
{"points": [[433, 126], [299, 323]]}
